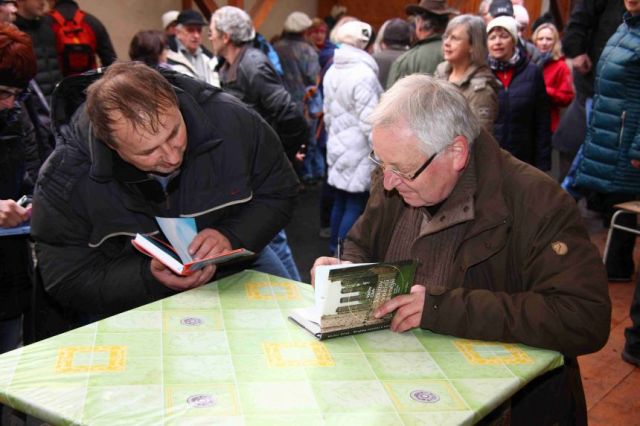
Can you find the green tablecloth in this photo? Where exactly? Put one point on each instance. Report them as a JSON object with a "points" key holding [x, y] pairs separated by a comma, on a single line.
{"points": [[225, 353]]}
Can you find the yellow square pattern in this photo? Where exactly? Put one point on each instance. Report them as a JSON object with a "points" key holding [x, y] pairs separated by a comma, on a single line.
{"points": [[265, 290], [471, 349], [66, 361], [277, 354]]}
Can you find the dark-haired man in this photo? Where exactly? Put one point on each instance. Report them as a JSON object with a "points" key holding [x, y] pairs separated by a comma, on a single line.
{"points": [[146, 145], [431, 18]]}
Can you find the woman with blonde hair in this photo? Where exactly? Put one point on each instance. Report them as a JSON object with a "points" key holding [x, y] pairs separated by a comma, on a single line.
{"points": [[556, 73], [464, 48]]}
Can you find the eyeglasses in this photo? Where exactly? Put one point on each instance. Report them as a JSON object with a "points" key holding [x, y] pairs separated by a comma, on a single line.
{"points": [[19, 94], [410, 178]]}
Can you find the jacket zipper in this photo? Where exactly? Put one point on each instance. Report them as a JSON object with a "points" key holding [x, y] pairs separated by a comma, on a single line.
{"points": [[624, 115]]}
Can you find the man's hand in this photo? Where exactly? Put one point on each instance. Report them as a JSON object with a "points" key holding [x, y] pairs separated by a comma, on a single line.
{"points": [[582, 63], [177, 282], [408, 309], [324, 260], [208, 242], [11, 214]]}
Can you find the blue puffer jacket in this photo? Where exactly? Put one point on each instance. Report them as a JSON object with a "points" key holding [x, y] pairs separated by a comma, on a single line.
{"points": [[523, 123], [613, 136]]}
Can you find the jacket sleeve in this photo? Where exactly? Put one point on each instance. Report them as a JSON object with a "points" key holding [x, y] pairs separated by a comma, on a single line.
{"points": [[577, 33], [542, 118], [564, 303], [105, 50], [394, 73], [286, 118], [560, 88], [273, 182], [484, 102]]}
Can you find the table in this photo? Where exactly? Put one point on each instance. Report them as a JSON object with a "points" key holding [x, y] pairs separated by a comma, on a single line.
{"points": [[226, 352]]}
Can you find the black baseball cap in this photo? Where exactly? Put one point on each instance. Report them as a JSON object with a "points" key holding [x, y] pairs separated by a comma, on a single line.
{"points": [[190, 17]]}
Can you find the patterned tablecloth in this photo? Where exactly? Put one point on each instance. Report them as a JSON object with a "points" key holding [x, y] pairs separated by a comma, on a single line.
{"points": [[227, 351]]}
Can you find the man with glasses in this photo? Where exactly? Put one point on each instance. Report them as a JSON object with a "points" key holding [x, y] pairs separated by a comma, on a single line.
{"points": [[502, 249]]}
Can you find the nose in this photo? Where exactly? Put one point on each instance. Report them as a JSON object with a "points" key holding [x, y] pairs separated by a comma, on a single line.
{"points": [[171, 154], [390, 180]]}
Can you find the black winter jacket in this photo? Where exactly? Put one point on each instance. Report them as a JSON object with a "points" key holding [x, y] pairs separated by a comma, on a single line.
{"points": [[89, 203], [44, 45], [590, 25], [523, 123], [253, 80]]}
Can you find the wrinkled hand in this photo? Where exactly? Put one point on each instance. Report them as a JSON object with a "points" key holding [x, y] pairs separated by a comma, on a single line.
{"points": [[11, 214], [177, 282], [208, 242], [408, 309], [582, 63], [324, 260]]}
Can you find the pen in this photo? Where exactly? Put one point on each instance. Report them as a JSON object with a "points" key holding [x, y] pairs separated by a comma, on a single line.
{"points": [[339, 248], [24, 201]]}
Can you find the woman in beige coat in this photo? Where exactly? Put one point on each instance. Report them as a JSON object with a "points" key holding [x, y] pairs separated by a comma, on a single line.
{"points": [[465, 51]]}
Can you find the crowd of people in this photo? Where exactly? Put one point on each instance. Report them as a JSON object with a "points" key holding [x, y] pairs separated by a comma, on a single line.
{"points": [[432, 139]]}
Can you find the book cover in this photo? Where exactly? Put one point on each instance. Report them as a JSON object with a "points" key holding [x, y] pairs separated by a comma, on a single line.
{"points": [[180, 232], [347, 295]]}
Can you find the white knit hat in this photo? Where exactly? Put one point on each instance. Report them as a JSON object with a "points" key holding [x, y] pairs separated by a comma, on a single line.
{"points": [[297, 22], [169, 17], [506, 22]]}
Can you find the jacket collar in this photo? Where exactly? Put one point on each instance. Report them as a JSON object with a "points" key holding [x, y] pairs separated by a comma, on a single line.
{"points": [[202, 136], [445, 69], [230, 71], [431, 38]]}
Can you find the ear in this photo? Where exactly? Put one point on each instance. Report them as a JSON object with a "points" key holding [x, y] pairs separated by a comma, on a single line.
{"points": [[460, 152], [226, 38]]}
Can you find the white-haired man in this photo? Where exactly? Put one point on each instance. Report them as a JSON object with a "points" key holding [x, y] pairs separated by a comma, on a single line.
{"points": [[503, 253]]}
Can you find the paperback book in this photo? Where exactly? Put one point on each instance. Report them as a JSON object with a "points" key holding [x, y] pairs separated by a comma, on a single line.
{"points": [[347, 296], [175, 256]]}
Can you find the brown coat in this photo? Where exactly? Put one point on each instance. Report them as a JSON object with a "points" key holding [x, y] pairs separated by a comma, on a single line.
{"points": [[480, 87], [525, 272]]}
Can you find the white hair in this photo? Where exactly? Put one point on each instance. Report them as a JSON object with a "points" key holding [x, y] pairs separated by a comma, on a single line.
{"points": [[234, 22], [434, 110]]}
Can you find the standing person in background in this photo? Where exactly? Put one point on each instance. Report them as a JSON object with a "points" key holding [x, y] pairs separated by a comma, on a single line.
{"points": [[612, 145], [30, 20], [169, 23], [590, 25], [8, 10], [556, 73], [68, 10], [431, 18], [191, 58], [149, 47], [395, 39], [298, 58], [465, 65], [351, 90], [17, 148], [522, 126], [522, 18]]}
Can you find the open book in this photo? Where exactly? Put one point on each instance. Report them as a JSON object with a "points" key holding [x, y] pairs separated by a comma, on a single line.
{"points": [[180, 232], [347, 295]]}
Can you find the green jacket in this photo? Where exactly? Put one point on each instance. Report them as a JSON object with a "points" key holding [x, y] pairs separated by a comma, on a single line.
{"points": [[422, 58], [524, 272]]}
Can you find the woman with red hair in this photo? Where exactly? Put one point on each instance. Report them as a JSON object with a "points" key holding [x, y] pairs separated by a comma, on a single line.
{"points": [[17, 143]]}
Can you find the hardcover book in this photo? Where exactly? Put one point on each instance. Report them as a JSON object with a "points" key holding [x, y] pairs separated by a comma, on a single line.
{"points": [[347, 295], [175, 256]]}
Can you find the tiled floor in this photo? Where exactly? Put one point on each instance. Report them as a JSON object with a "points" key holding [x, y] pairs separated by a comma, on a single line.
{"points": [[611, 385]]}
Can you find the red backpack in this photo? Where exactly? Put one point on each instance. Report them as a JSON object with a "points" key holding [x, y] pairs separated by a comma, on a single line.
{"points": [[75, 42]]}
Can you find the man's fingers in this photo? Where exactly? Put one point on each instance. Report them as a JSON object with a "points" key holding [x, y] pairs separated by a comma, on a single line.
{"points": [[408, 322], [392, 305]]}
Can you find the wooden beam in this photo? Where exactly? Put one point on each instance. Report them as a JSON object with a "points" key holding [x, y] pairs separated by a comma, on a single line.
{"points": [[186, 4], [260, 11], [237, 3], [207, 7]]}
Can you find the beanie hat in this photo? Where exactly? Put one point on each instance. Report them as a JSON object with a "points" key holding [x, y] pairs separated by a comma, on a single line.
{"points": [[397, 31], [354, 33], [297, 22], [506, 22], [169, 17], [501, 8]]}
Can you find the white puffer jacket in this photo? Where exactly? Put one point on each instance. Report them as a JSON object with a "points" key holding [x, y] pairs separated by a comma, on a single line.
{"points": [[351, 91]]}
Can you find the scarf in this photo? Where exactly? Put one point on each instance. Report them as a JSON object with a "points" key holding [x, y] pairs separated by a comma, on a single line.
{"points": [[498, 65]]}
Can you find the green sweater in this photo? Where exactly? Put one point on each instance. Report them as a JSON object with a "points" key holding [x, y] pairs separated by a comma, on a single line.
{"points": [[423, 58]]}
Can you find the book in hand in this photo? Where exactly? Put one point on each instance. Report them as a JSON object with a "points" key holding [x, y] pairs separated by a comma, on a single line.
{"points": [[347, 296], [22, 229], [180, 232]]}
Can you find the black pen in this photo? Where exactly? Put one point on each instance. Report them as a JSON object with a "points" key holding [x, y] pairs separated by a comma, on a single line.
{"points": [[339, 248]]}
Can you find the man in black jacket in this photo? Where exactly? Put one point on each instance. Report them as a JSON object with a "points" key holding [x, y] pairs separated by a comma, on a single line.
{"points": [[146, 145], [30, 20]]}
